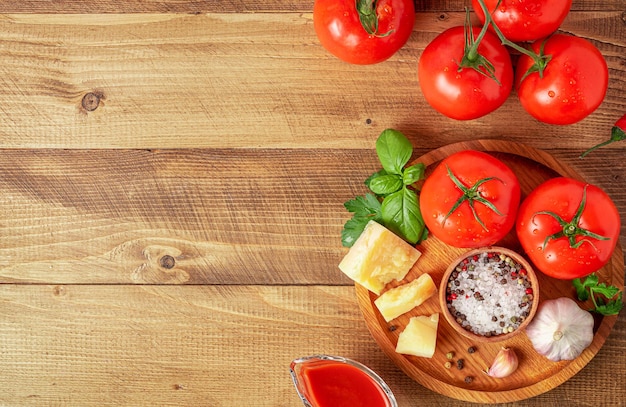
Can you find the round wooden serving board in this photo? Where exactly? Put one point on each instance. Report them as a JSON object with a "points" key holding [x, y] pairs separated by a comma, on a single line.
{"points": [[535, 374]]}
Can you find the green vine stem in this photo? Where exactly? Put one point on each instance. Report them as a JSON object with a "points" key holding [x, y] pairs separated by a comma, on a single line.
{"points": [[540, 61]]}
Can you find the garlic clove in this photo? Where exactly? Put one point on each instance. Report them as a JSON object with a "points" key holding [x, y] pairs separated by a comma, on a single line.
{"points": [[504, 364]]}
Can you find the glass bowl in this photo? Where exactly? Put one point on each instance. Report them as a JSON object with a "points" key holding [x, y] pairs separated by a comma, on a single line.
{"points": [[335, 381]]}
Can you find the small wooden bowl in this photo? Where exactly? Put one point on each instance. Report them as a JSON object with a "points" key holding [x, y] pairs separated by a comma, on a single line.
{"points": [[529, 279]]}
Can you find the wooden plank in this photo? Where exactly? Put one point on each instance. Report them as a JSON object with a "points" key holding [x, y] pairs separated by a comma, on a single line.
{"points": [[234, 6], [224, 216], [176, 81], [214, 346]]}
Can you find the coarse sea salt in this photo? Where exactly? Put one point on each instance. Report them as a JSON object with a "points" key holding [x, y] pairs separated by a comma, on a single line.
{"points": [[489, 294]]}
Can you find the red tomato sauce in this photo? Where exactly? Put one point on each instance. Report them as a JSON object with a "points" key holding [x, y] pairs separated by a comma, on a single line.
{"points": [[334, 384]]}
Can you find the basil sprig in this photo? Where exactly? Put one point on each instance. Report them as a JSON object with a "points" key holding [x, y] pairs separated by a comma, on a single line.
{"points": [[394, 204]]}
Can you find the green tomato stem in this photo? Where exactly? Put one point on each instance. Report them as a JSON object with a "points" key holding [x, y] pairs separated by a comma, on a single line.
{"points": [[540, 60], [472, 53]]}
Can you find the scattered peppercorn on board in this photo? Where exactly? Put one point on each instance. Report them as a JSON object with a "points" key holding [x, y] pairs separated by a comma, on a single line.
{"points": [[441, 373]]}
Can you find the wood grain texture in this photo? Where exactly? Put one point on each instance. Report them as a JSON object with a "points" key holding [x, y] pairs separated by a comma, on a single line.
{"points": [[238, 6], [175, 81], [210, 346], [172, 175], [224, 216]]}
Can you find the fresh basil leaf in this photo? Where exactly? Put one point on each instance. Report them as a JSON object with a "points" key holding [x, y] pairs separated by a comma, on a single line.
{"points": [[386, 184], [413, 173], [394, 150], [401, 214], [375, 175]]}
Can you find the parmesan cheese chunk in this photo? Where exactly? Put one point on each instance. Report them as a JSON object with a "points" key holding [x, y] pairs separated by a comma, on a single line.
{"points": [[419, 338], [377, 257], [404, 298]]}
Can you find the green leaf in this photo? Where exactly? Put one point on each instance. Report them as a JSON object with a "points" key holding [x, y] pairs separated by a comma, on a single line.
{"points": [[352, 229], [365, 208], [413, 173], [582, 285], [367, 205], [581, 291], [386, 184], [608, 292], [401, 214], [612, 307], [602, 295], [394, 151]]}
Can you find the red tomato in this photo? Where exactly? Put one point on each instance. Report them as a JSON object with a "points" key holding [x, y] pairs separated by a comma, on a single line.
{"points": [[581, 241], [525, 20], [339, 27], [573, 85], [487, 182], [465, 93]]}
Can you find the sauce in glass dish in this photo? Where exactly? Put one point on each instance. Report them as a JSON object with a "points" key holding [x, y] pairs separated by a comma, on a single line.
{"points": [[333, 381]]}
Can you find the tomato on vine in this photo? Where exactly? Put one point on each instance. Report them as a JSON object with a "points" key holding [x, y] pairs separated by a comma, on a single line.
{"points": [[568, 229], [569, 86], [526, 20], [465, 72], [561, 79], [363, 31]]}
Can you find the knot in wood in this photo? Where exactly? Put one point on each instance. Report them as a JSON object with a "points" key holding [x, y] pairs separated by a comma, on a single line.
{"points": [[58, 291], [91, 101], [167, 262]]}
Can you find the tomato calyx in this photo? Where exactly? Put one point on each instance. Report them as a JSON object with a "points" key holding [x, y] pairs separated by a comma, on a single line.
{"points": [[571, 230], [369, 18], [540, 60], [471, 196], [471, 58]]}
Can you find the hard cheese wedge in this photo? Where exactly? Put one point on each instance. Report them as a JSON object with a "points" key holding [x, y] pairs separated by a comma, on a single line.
{"points": [[377, 257], [404, 298], [419, 337]]}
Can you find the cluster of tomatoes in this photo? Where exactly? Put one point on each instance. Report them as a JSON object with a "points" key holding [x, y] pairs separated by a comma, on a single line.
{"points": [[467, 72], [567, 228]]}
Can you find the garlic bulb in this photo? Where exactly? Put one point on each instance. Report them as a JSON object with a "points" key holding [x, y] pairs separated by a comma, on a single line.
{"points": [[504, 364], [560, 330]]}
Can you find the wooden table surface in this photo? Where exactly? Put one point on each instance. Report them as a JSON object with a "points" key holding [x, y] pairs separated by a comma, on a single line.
{"points": [[172, 179]]}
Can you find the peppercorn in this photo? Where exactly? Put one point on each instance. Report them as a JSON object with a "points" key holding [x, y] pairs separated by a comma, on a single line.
{"points": [[460, 363], [471, 349], [450, 355], [468, 379], [448, 365]]}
